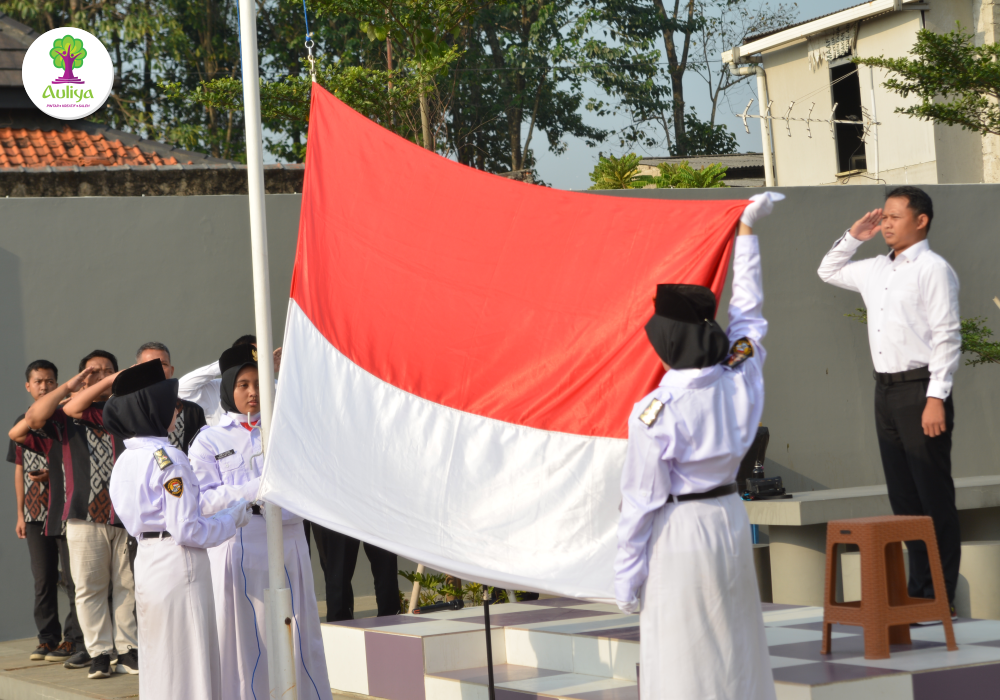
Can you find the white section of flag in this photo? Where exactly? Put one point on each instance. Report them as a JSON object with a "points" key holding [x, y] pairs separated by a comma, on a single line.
{"points": [[478, 498]]}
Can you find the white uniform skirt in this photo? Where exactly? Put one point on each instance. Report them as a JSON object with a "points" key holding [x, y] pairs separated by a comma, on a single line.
{"points": [[239, 572], [701, 627], [175, 609]]}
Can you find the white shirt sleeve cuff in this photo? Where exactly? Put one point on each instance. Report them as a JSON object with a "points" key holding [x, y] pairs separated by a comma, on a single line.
{"points": [[938, 389], [848, 242]]}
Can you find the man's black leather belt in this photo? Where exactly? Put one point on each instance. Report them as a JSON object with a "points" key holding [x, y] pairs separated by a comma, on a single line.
{"points": [[714, 493], [910, 375], [155, 535], [255, 509]]}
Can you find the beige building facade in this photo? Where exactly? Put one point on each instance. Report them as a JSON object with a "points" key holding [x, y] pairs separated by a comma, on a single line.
{"points": [[806, 72]]}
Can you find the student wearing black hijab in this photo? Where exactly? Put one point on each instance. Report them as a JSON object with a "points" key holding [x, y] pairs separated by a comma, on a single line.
{"points": [[228, 459], [156, 495]]}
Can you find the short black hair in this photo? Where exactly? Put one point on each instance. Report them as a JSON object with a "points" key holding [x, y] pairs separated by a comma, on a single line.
{"points": [[919, 201], [153, 345], [245, 340], [40, 364], [99, 353]]}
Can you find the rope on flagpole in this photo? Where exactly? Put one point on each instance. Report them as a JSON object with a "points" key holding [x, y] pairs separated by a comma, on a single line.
{"points": [[309, 43]]}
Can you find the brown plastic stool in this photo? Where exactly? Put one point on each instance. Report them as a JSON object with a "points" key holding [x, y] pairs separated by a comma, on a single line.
{"points": [[885, 610]]}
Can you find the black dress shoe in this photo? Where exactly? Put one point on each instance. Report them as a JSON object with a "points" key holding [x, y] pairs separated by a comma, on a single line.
{"points": [[100, 666]]}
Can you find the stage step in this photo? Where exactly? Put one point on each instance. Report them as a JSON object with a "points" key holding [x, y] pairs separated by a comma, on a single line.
{"points": [[514, 682], [562, 648]]}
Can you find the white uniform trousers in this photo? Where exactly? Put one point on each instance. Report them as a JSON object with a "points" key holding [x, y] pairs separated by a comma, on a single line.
{"points": [[239, 575], [701, 625], [179, 644]]}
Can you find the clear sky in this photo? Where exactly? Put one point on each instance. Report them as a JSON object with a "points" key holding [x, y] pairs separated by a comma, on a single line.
{"points": [[571, 169]]}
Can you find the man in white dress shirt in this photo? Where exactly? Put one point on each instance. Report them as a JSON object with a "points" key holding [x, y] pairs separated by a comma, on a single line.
{"points": [[915, 335], [684, 544]]}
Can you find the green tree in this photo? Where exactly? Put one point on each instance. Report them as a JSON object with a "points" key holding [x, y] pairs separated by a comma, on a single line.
{"points": [[957, 82], [706, 139]]}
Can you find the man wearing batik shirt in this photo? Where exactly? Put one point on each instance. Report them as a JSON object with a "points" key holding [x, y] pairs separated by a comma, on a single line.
{"points": [[39, 491], [97, 540]]}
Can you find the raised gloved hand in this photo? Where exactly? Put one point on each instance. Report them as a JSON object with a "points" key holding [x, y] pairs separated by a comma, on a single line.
{"points": [[631, 607], [240, 513], [760, 206]]}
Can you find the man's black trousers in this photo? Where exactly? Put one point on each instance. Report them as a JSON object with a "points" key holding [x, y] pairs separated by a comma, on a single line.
{"points": [[338, 556], [918, 475], [46, 554]]}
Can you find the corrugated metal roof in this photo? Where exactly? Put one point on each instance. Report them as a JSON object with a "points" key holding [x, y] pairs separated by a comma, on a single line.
{"points": [[730, 160], [755, 37], [15, 38]]}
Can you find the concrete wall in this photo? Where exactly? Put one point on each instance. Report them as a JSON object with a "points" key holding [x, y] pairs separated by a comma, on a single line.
{"points": [[910, 151], [84, 273]]}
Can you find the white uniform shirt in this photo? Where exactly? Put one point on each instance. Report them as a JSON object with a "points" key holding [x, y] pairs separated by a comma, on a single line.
{"points": [[227, 462], [912, 302], [202, 387], [148, 498], [707, 423]]}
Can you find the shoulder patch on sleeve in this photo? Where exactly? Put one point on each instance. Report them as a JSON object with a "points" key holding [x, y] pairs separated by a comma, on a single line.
{"points": [[162, 459], [651, 412], [175, 487], [741, 351], [225, 454]]}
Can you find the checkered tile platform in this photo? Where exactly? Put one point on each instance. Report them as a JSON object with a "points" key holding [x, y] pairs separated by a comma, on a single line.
{"points": [[563, 648]]}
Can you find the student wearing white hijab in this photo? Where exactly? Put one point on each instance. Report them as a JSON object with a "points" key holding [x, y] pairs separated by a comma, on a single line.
{"points": [[156, 495], [228, 459]]}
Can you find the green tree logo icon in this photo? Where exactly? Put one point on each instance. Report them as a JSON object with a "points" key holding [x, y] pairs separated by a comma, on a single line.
{"points": [[67, 53]]}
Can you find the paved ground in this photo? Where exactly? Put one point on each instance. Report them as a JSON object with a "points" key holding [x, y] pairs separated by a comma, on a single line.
{"points": [[21, 679]]}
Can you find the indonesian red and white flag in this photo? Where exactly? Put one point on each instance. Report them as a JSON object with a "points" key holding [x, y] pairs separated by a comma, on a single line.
{"points": [[462, 353]]}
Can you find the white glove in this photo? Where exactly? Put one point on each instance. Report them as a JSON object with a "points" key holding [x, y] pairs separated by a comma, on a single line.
{"points": [[240, 513], [250, 489], [630, 608], [760, 206]]}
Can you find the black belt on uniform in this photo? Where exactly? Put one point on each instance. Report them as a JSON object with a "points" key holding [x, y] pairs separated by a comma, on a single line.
{"points": [[255, 509], [154, 535], [910, 375], [714, 493]]}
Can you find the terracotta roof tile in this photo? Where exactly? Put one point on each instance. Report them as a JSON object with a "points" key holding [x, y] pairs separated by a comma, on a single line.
{"points": [[38, 148]]}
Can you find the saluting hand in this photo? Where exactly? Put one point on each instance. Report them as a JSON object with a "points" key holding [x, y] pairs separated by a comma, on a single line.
{"points": [[79, 381], [865, 228]]}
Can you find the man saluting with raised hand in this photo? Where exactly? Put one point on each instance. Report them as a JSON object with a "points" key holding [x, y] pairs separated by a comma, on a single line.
{"points": [[915, 335], [684, 542]]}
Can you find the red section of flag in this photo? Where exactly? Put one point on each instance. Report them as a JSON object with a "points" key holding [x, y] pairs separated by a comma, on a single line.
{"points": [[507, 300]]}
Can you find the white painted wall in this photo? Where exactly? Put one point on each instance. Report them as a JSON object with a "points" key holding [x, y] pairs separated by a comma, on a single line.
{"points": [[909, 151]]}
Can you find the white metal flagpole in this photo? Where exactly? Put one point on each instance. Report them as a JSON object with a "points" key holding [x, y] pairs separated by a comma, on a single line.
{"points": [[277, 598]]}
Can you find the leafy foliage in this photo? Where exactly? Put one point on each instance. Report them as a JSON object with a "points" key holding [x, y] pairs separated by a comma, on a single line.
{"points": [[612, 173], [434, 588], [682, 175], [957, 82], [705, 139], [975, 339]]}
